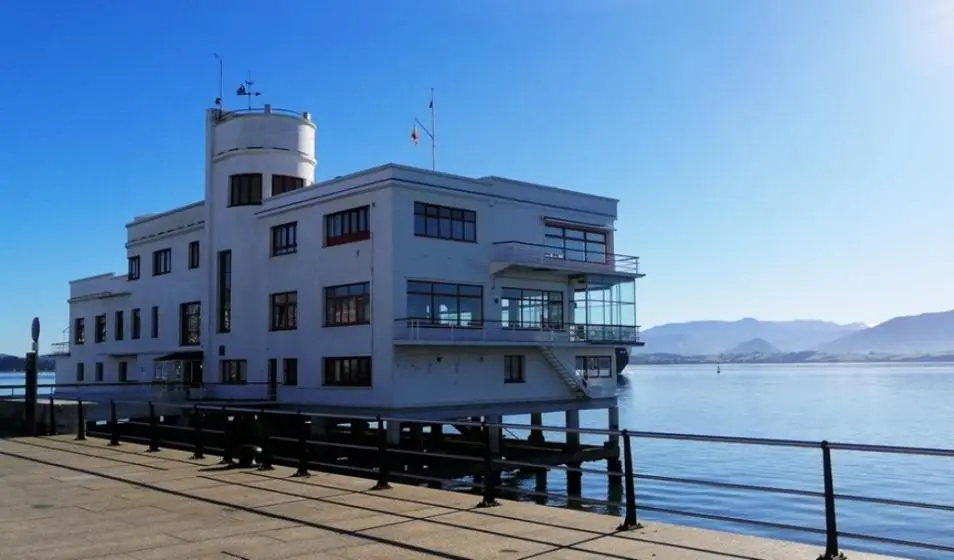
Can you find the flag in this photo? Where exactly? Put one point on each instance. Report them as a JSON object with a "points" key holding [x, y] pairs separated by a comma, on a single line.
{"points": [[414, 135], [431, 104]]}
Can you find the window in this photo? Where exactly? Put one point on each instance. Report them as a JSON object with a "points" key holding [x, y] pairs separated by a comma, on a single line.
{"points": [[574, 244], [79, 330], [348, 372], [99, 372], [155, 321], [290, 371], [347, 226], [284, 311], [133, 268], [348, 305], [514, 370], [118, 325], [123, 372], [531, 309], [194, 254], [233, 371], [440, 304], [285, 239], [442, 222], [245, 189], [80, 372], [161, 262], [285, 183], [225, 292], [100, 335], [594, 366], [190, 321], [136, 327]]}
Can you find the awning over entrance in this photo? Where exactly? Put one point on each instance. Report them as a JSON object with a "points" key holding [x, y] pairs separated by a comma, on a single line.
{"points": [[191, 355]]}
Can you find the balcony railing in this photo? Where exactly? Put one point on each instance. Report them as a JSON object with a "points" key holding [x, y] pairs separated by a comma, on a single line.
{"points": [[427, 330], [546, 256], [60, 349]]}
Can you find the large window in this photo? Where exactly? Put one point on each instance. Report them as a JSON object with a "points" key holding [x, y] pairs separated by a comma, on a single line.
{"points": [[290, 371], [233, 372], [353, 371], [245, 189], [347, 226], [443, 222], [286, 183], [193, 254], [190, 323], [514, 369], [79, 330], [591, 367], [284, 307], [348, 305], [133, 268], [161, 262], [136, 327], [441, 304], [576, 244], [284, 239], [100, 334], [531, 309], [119, 325], [606, 306], [225, 292]]}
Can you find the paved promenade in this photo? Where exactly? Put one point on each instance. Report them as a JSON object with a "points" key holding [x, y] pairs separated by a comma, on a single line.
{"points": [[63, 500]]}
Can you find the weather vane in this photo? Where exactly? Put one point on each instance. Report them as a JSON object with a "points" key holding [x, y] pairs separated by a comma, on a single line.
{"points": [[245, 89]]}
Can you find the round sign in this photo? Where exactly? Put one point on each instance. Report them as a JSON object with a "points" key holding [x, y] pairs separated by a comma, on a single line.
{"points": [[35, 329]]}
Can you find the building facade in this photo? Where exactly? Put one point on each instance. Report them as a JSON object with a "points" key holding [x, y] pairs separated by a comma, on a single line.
{"points": [[390, 288]]}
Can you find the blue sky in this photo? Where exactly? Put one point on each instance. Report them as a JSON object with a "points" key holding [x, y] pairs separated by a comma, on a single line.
{"points": [[774, 159]]}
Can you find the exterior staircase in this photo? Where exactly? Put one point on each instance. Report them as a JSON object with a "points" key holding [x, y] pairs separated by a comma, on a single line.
{"points": [[575, 383]]}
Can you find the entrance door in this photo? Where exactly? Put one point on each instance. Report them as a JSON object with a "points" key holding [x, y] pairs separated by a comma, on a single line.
{"points": [[192, 371], [273, 379]]}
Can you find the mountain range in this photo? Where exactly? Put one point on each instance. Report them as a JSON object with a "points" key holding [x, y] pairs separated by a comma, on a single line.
{"points": [[10, 363], [928, 333]]}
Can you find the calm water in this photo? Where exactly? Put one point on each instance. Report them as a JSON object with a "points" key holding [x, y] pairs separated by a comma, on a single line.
{"points": [[911, 405]]}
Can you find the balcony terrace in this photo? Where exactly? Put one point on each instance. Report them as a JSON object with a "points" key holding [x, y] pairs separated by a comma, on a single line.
{"points": [[409, 331], [518, 254]]}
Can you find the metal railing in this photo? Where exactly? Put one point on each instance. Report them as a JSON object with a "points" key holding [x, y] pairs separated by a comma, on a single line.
{"points": [[60, 349], [554, 333], [488, 460], [519, 252], [226, 114]]}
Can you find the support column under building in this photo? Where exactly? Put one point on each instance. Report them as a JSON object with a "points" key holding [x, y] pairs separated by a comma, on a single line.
{"points": [[614, 465], [536, 434], [574, 478]]}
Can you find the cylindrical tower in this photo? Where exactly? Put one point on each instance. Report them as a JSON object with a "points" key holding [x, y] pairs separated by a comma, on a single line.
{"points": [[251, 155]]}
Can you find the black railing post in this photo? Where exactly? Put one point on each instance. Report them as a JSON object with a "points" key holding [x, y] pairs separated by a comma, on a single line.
{"points": [[80, 421], [489, 483], [629, 521], [52, 427], [831, 520], [114, 425], [384, 457], [302, 447], [226, 439], [198, 448], [266, 458], [153, 429]]}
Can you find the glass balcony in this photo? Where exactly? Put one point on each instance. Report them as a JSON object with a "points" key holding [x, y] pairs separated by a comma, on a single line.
{"points": [[427, 332], [545, 257], [60, 349]]}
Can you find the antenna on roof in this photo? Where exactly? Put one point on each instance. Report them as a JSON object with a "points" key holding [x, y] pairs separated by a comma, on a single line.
{"points": [[218, 100], [245, 89]]}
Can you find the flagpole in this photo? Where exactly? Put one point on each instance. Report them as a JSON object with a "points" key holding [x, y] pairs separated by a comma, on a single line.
{"points": [[433, 135]]}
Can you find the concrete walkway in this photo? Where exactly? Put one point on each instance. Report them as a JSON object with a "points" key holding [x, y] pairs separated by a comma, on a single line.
{"points": [[65, 500]]}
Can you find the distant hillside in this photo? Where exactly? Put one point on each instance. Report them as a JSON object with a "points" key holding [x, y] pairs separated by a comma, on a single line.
{"points": [[715, 337], [928, 333], [754, 346], [10, 363]]}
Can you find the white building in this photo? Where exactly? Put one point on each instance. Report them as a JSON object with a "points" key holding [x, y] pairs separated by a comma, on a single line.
{"points": [[390, 288]]}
